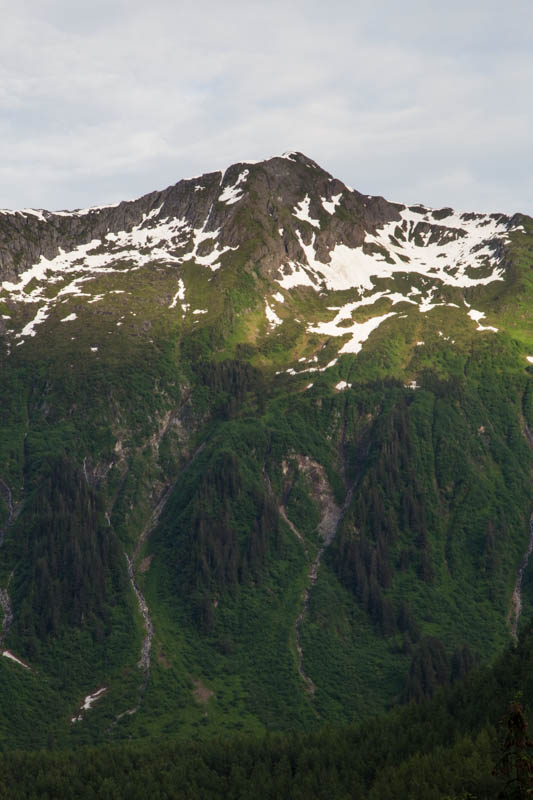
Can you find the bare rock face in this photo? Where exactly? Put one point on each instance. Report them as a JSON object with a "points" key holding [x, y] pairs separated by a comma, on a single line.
{"points": [[26, 236], [247, 205], [281, 223]]}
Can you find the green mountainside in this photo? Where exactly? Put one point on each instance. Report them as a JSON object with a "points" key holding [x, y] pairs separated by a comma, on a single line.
{"points": [[468, 742], [265, 456]]}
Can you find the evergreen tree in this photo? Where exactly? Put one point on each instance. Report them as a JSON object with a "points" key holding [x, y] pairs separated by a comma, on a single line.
{"points": [[516, 762]]}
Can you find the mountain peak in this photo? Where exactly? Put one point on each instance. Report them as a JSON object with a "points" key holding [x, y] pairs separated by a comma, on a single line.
{"points": [[283, 222], [300, 158]]}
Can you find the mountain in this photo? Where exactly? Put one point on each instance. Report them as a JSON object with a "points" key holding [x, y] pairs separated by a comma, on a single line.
{"points": [[265, 455]]}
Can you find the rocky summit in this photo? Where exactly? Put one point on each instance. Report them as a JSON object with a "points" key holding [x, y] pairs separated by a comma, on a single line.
{"points": [[265, 455], [284, 222]]}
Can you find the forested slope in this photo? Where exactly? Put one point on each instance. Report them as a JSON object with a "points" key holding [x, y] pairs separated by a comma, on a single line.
{"points": [[469, 741], [265, 457]]}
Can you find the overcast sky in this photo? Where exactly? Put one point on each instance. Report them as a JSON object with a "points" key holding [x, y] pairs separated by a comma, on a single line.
{"points": [[428, 101]]}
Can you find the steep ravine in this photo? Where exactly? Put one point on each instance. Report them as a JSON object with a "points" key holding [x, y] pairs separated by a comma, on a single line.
{"points": [[146, 649], [151, 524], [5, 606], [331, 515], [328, 528], [13, 508], [516, 601], [5, 600], [144, 661]]}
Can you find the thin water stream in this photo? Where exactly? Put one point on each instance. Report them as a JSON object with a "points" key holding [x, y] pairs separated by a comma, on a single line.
{"points": [[12, 507], [5, 602], [144, 661], [328, 528], [5, 605], [516, 602]]}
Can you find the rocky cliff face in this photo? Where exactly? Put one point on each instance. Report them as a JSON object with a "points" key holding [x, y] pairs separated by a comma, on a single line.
{"points": [[210, 203]]}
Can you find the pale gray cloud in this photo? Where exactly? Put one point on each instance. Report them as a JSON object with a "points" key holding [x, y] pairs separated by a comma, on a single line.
{"points": [[418, 101]]}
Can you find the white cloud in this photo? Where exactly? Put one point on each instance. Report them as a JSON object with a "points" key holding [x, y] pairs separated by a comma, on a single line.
{"points": [[109, 99]]}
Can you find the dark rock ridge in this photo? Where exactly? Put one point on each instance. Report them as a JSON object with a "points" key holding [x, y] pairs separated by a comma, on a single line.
{"points": [[271, 190]]}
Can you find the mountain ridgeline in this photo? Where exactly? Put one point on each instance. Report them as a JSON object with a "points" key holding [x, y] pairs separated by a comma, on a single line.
{"points": [[265, 456]]}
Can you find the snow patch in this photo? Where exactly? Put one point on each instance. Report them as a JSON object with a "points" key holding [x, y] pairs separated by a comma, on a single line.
{"points": [[151, 214], [426, 304], [232, 194], [462, 244], [70, 318], [211, 259], [82, 212], [180, 295], [297, 276], [331, 205], [91, 698], [301, 210], [360, 331], [272, 317], [476, 316], [35, 212], [88, 703], [29, 329], [9, 654]]}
